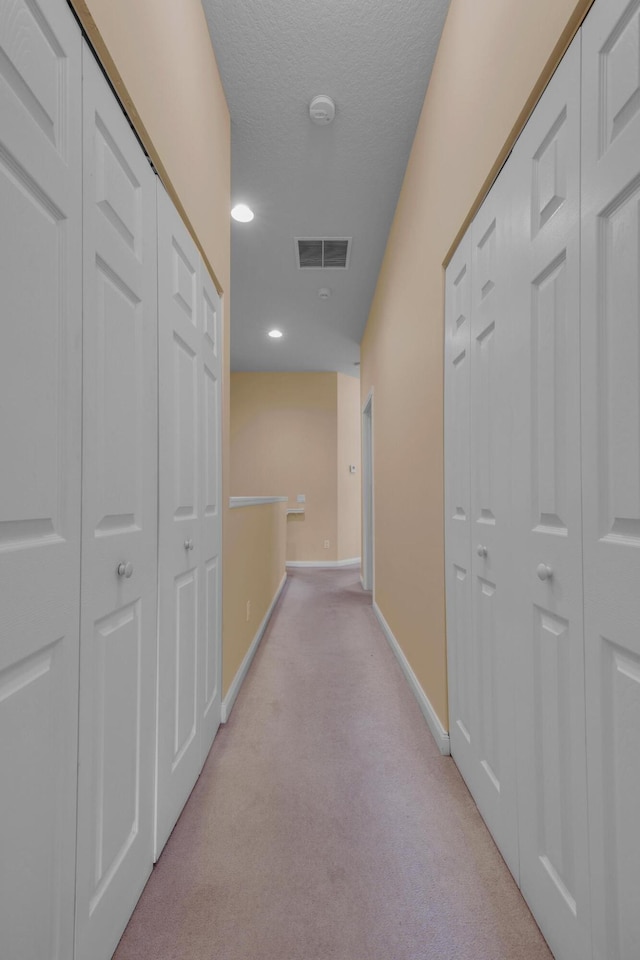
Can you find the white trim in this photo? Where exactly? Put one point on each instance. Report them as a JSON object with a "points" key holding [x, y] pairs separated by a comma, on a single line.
{"points": [[438, 732], [295, 510], [323, 563], [255, 501], [234, 689]]}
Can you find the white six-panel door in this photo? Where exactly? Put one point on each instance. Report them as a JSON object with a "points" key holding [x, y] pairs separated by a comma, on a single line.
{"points": [[477, 503], [72, 462], [461, 676], [189, 533], [40, 421], [546, 535], [611, 466], [210, 694], [491, 702], [119, 524]]}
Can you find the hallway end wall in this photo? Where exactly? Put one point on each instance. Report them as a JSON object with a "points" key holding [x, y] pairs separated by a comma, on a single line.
{"points": [[493, 61], [283, 443]]}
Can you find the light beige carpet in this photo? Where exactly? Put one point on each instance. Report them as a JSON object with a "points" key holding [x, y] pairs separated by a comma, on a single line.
{"points": [[326, 825]]}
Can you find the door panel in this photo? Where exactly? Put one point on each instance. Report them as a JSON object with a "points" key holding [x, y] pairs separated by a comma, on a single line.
{"points": [[457, 508], [553, 749], [180, 544], [116, 677], [40, 421], [210, 681], [460, 629], [190, 517], [476, 507], [611, 466], [212, 610], [492, 780], [548, 615], [550, 401], [186, 424], [186, 690], [118, 615], [211, 442], [487, 653], [547, 516]]}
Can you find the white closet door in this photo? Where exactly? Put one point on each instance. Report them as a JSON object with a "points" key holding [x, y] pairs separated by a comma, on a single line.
{"points": [[181, 546], [547, 519], [40, 420], [462, 730], [211, 490], [493, 782], [119, 524], [611, 466]]}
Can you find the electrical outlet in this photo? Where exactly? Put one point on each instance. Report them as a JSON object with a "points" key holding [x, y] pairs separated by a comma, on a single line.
{"points": [[326, 544], [248, 610]]}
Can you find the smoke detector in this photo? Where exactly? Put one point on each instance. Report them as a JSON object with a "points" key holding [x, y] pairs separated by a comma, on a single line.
{"points": [[322, 109], [324, 293]]}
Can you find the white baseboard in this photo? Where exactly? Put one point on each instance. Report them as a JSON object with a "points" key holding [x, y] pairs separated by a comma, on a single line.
{"points": [[323, 563], [234, 689], [439, 733]]}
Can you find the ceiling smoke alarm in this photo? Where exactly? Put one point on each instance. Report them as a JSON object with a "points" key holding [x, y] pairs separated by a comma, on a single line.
{"points": [[322, 109], [324, 293]]}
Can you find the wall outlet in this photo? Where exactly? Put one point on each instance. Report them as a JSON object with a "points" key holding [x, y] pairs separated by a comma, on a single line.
{"points": [[326, 544], [248, 610]]}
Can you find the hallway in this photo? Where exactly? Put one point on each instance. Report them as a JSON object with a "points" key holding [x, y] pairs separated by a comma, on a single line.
{"points": [[326, 825]]}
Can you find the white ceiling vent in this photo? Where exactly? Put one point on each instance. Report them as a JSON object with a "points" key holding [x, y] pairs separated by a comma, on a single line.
{"points": [[323, 252]]}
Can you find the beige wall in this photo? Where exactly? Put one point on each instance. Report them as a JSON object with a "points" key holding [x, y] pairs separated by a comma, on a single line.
{"points": [[284, 442], [491, 65], [255, 563], [349, 484]]}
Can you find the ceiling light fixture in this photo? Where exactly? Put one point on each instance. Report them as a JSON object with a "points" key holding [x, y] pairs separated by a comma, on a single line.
{"points": [[242, 213], [324, 293], [275, 334], [322, 109]]}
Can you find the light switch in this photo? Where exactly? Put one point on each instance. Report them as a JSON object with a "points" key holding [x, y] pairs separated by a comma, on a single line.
{"points": [[352, 468], [301, 498]]}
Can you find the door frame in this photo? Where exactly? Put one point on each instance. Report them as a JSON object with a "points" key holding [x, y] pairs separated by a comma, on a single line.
{"points": [[368, 498]]}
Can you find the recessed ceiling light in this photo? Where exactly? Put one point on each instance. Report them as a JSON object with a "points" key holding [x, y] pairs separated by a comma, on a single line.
{"points": [[242, 213], [275, 334]]}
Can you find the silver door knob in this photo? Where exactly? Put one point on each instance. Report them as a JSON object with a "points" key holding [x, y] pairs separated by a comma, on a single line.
{"points": [[481, 550], [125, 570], [188, 544], [544, 572]]}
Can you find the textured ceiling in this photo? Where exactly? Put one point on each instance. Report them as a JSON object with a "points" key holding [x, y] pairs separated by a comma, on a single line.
{"points": [[374, 58]]}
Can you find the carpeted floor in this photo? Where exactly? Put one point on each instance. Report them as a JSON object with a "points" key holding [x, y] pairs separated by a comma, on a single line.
{"points": [[326, 825]]}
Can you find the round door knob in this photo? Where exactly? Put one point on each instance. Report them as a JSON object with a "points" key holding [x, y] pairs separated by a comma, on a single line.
{"points": [[482, 550], [125, 570], [188, 544], [544, 572]]}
